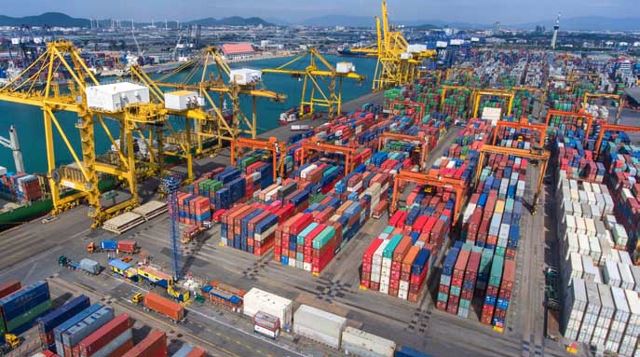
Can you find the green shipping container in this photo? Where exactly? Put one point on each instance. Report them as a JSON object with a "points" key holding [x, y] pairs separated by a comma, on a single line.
{"points": [[496, 271], [28, 316], [301, 237], [324, 237], [391, 247]]}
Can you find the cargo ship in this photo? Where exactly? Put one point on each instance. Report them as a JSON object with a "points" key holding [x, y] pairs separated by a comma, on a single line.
{"points": [[348, 52]]}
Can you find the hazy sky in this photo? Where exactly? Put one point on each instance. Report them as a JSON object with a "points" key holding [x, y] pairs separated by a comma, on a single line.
{"points": [[477, 11]]}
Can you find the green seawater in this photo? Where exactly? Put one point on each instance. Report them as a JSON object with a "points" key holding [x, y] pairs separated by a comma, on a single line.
{"points": [[29, 123]]}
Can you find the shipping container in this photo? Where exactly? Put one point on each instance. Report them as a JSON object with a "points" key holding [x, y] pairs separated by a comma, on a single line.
{"points": [[154, 345], [164, 306], [319, 325], [360, 343]]}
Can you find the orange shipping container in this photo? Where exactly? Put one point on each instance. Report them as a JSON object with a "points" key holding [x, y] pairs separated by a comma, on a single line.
{"points": [[164, 306], [154, 345]]}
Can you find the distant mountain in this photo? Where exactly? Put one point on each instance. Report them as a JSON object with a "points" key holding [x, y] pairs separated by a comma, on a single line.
{"points": [[46, 19], [338, 20], [231, 21], [589, 23], [364, 21]]}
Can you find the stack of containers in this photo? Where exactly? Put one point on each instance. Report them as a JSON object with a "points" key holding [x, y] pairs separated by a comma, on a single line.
{"points": [[48, 322], [77, 332], [20, 308], [574, 308], [591, 313], [632, 332], [493, 285], [619, 320], [469, 282], [393, 264], [504, 296], [112, 339], [446, 276], [457, 279], [605, 316], [155, 344], [251, 227], [63, 327]]}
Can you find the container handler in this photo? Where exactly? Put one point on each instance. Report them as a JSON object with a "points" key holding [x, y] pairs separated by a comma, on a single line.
{"points": [[11, 343]]}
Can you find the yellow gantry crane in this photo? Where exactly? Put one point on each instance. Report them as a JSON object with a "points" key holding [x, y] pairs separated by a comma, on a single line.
{"points": [[60, 81], [398, 62], [207, 123], [313, 92], [478, 95]]}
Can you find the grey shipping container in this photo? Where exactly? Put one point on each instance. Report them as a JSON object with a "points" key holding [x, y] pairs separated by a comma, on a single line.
{"points": [[361, 343], [90, 266], [319, 325], [84, 328], [115, 344]]}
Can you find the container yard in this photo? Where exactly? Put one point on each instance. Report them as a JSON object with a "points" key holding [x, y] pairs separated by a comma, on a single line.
{"points": [[480, 200]]}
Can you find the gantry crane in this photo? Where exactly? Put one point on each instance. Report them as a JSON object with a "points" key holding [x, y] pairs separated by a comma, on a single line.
{"points": [[586, 118], [522, 124], [541, 92], [57, 81], [534, 154], [456, 185], [617, 98], [469, 91], [277, 149], [210, 75], [397, 62], [508, 95], [422, 141], [206, 122], [315, 71], [313, 144], [604, 127]]}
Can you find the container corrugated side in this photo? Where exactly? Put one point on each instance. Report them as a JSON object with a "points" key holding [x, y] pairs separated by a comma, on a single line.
{"points": [[319, 325], [362, 343]]}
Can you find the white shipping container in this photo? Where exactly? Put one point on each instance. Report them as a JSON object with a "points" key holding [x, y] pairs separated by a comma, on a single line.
{"points": [[626, 279], [245, 76], [116, 96], [364, 344], [319, 325], [182, 100], [611, 273], [345, 67], [259, 300]]}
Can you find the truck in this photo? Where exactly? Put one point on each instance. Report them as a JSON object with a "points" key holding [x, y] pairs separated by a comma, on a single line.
{"points": [[163, 306], [106, 245], [191, 233], [87, 265]]}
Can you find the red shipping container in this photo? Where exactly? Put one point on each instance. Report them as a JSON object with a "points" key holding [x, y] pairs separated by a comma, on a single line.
{"points": [[102, 336], [154, 345], [128, 246], [9, 287]]}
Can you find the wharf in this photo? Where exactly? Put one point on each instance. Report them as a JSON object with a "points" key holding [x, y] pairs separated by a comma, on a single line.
{"points": [[32, 250]]}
